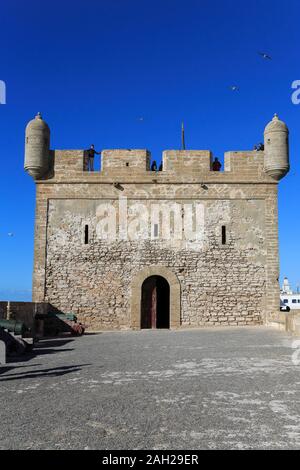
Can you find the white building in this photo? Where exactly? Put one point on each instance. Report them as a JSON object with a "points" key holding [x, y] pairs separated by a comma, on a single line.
{"points": [[288, 297]]}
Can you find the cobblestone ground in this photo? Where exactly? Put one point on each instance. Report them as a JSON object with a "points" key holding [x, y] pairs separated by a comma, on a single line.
{"points": [[222, 388]]}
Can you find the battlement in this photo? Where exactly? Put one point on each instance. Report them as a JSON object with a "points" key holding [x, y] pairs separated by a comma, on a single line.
{"points": [[125, 160], [177, 165], [127, 164], [250, 163], [187, 161]]}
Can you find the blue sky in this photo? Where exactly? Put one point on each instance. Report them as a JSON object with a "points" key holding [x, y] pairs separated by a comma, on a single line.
{"points": [[93, 68]]}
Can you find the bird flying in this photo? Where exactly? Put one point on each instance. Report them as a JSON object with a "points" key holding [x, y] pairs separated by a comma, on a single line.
{"points": [[234, 88], [265, 56]]}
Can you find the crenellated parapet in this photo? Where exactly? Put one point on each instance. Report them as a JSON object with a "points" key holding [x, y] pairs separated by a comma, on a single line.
{"points": [[134, 165], [268, 165]]}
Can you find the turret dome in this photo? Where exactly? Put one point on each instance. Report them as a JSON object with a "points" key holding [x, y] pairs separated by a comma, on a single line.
{"points": [[37, 123], [276, 125]]}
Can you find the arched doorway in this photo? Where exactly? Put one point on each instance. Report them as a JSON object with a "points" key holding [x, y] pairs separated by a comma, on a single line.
{"points": [[155, 303], [136, 294]]}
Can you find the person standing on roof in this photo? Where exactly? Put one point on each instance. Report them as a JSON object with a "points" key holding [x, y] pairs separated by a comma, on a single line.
{"points": [[216, 165], [91, 155]]}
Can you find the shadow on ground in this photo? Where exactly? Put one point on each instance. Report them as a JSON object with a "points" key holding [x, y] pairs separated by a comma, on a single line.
{"points": [[44, 347], [53, 372], [92, 333]]}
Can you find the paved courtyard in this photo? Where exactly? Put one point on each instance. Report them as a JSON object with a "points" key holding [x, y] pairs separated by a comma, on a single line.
{"points": [[223, 388]]}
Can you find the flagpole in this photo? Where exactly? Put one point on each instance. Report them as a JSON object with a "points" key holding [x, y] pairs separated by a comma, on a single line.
{"points": [[182, 137]]}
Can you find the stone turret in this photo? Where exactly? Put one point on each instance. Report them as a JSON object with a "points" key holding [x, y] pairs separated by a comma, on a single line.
{"points": [[37, 144], [276, 148]]}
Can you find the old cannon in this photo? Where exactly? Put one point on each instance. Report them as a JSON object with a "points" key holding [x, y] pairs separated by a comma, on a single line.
{"points": [[13, 326], [14, 345], [56, 323]]}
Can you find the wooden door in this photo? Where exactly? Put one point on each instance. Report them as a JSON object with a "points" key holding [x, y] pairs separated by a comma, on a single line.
{"points": [[149, 303]]}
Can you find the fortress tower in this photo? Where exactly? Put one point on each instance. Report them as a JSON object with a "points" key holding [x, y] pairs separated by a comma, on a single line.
{"points": [[127, 247]]}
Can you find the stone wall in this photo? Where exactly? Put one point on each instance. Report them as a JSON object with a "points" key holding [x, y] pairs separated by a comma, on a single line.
{"points": [[220, 284], [3, 310]]}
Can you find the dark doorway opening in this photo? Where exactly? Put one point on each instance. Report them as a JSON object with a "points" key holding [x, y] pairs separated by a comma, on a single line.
{"points": [[155, 303]]}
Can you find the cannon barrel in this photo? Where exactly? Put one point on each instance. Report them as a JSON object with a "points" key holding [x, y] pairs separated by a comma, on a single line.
{"points": [[55, 323], [65, 316], [13, 326], [61, 316]]}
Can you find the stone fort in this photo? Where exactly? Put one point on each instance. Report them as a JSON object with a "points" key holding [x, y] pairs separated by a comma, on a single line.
{"points": [[102, 254]]}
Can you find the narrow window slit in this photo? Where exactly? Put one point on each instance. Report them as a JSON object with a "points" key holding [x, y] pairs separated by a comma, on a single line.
{"points": [[86, 234], [223, 234]]}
